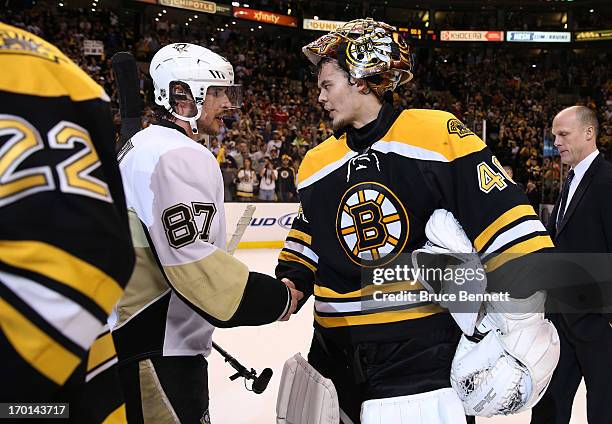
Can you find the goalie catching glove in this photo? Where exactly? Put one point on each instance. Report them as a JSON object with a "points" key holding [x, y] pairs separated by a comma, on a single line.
{"points": [[509, 369], [508, 365]]}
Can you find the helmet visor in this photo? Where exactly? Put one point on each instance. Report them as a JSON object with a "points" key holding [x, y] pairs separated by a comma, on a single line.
{"points": [[230, 96]]}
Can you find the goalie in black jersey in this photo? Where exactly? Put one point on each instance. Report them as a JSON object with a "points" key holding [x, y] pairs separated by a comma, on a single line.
{"points": [[384, 184]]}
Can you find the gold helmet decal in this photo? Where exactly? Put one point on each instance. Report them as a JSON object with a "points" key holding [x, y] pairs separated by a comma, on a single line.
{"points": [[366, 49]]}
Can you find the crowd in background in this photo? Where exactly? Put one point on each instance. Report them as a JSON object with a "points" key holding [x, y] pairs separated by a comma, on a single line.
{"points": [[262, 145]]}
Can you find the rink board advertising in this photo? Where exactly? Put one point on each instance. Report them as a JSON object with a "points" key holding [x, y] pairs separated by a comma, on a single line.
{"points": [[472, 35], [265, 17], [195, 5], [321, 25], [595, 35], [538, 37]]}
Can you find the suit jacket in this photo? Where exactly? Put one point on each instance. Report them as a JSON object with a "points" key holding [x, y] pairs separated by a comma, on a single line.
{"points": [[587, 228]]}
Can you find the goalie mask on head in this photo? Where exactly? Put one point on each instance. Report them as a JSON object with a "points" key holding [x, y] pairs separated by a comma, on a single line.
{"points": [[183, 71], [366, 49]]}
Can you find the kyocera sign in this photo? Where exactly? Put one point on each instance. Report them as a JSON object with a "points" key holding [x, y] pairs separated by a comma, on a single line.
{"points": [[472, 35]]}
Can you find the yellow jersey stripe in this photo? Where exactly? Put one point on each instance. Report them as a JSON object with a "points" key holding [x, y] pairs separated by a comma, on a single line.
{"points": [[290, 257], [41, 69], [118, 416], [299, 235], [54, 263], [426, 129], [330, 151], [43, 353], [101, 351], [378, 318], [321, 291], [520, 249], [506, 218]]}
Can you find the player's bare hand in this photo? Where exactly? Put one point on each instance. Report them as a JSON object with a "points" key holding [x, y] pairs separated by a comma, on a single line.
{"points": [[296, 296]]}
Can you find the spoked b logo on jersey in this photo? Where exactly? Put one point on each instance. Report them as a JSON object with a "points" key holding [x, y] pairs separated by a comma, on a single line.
{"points": [[373, 226]]}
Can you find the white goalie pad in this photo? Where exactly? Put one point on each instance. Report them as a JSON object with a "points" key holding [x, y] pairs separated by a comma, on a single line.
{"points": [[305, 396], [509, 370], [445, 236], [441, 406]]}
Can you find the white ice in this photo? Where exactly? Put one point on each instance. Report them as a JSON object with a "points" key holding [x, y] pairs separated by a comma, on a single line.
{"points": [[269, 346]]}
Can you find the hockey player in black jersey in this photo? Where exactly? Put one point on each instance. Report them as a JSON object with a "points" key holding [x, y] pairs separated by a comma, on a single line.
{"points": [[65, 249], [366, 196]]}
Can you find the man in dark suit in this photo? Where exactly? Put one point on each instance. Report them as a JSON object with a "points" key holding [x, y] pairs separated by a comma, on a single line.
{"points": [[581, 222]]}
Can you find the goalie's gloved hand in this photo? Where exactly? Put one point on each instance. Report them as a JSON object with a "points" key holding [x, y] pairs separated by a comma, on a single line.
{"points": [[448, 264]]}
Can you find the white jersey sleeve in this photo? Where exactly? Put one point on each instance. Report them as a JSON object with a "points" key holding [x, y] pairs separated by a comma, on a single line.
{"points": [[175, 188]]}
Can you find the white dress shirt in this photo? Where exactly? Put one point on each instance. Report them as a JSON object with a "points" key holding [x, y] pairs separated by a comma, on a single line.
{"points": [[579, 172]]}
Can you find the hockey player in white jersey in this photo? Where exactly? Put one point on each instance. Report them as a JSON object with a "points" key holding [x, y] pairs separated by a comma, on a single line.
{"points": [[184, 283]]}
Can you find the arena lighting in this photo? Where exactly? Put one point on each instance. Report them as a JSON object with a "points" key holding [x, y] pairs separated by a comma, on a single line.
{"points": [[61, 5], [212, 39], [186, 23], [445, 61], [252, 30], [190, 19], [245, 5], [592, 10], [226, 25], [316, 18], [289, 11], [195, 16], [164, 11], [93, 9], [159, 14], [156, 19], [427, 24], [235, 4], [534, 65], [233, 23], [258, 26]]}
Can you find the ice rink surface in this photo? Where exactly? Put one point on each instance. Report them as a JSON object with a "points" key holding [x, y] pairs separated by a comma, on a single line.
{"points": [[270, 346]]}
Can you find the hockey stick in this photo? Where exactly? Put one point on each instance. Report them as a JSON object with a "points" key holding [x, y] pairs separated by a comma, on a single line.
{"points": [[130, 102], [241, 227]]}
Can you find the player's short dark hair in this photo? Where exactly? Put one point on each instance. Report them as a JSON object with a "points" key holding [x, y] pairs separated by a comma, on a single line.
{"points": [[325, 60], [388, 97], [587, 117], [161, 114]]}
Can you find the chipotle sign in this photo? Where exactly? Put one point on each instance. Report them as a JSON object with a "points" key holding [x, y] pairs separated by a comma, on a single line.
{"points": [[265, 17]]}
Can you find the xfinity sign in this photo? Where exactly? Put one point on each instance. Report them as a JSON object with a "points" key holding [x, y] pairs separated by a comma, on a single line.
{"points": [[538, 37]]}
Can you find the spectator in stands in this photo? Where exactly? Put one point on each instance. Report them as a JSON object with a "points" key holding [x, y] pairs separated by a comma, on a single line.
{"points": [[286, 181], [246, 181], [267, 181], [229, 172]]}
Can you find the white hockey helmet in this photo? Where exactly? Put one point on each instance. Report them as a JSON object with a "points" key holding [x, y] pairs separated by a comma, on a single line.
{"points": [[196, 67]]}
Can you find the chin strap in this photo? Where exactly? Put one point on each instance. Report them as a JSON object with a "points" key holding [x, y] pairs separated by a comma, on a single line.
{"points": [[193, 121]]}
